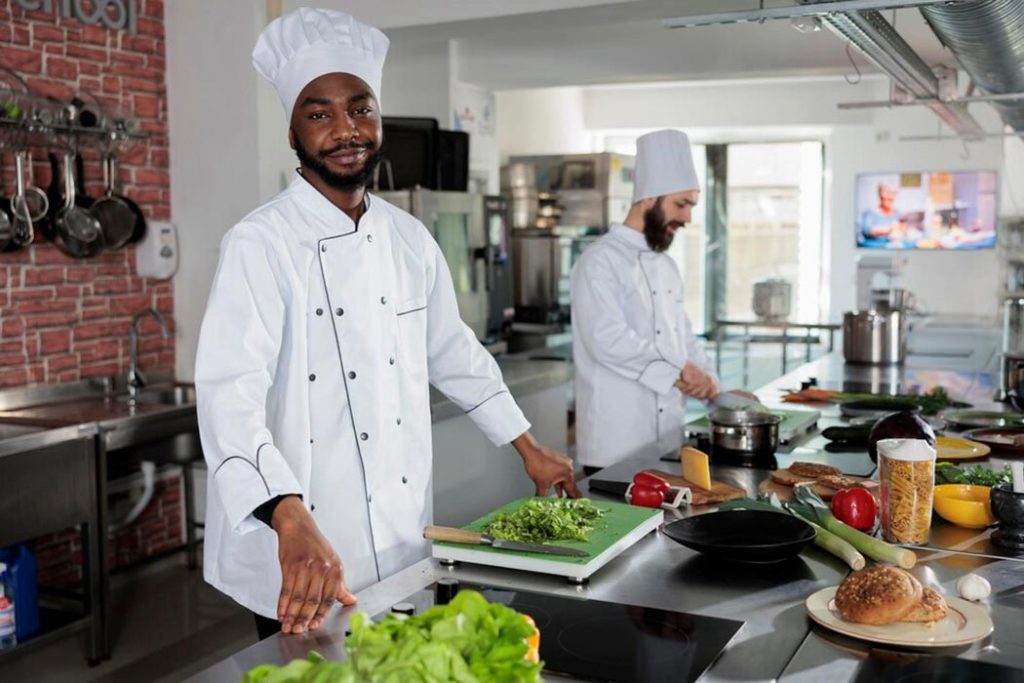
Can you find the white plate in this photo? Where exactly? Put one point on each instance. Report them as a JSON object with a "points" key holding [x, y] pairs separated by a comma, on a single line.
{"points": [[965, 623]]}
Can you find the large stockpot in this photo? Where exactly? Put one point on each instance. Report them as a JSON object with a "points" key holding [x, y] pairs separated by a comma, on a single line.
{"points": [[737, 432], [874, 337]]}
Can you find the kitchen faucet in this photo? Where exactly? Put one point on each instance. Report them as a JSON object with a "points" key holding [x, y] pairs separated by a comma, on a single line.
{"points": [[136, 380]]}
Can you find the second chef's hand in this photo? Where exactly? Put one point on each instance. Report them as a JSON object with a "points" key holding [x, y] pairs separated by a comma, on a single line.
{"points": [[546, 467], [312, 576]]}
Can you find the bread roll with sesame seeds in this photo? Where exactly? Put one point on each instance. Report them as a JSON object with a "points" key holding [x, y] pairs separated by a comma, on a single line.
{"points": [[878, 595]]}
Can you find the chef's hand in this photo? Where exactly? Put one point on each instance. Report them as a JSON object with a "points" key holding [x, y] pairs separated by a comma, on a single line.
{"points": [[312, 577], [695, 382], [546, 467]]}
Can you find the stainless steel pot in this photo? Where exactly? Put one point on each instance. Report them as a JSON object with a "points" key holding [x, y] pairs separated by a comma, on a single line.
{"points": [[875, 337], [742, 431], [772, 298]]}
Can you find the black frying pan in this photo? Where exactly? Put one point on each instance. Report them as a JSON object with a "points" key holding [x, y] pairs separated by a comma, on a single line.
{"points": [[139, 228], [742, 535], [116, 217]]}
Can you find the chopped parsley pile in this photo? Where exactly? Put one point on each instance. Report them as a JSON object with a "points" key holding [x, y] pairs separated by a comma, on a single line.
{"points": [[543, 520]]}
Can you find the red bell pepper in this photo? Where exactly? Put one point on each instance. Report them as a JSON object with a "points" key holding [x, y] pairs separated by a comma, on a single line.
{"points": [[653, 481], [856, 507], [646, 496]]}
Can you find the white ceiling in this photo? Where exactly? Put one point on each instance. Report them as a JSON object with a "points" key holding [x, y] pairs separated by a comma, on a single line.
{"points": [[387, 14], [624, 42]]}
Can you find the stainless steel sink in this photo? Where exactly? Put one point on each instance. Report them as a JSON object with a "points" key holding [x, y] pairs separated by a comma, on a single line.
{"points": [[178, 395]]}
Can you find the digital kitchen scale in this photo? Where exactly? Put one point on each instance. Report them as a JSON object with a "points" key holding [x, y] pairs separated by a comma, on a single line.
{"points": [[593, 640]]}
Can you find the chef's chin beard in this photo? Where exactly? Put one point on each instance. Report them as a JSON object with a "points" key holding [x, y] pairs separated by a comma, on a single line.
{"points": [[339, 181], [656, 228]]}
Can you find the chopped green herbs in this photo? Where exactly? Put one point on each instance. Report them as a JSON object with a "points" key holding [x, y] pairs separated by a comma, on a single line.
{"points": [[931, 403], [948, 473], [542, 520]]}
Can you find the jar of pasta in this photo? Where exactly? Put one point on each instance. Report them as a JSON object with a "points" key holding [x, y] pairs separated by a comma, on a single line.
{"points": [[906, 474]]}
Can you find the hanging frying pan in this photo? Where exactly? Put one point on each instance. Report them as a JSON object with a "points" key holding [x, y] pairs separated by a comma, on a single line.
{"points": [[114, 214], [139, 229], [76, 231]]}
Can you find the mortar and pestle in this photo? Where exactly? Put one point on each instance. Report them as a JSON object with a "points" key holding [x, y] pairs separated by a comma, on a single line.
{"points": [[1007, 501]]}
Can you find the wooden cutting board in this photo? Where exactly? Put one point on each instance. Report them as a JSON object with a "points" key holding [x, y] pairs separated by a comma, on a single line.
{"points": [[785, 493], [719, 493]]}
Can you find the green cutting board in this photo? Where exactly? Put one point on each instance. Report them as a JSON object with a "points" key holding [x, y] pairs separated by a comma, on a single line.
{"points": [[620, 527]]}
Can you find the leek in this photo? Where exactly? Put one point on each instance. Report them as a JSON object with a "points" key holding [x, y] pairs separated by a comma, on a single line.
{"points": [[810, 505]]}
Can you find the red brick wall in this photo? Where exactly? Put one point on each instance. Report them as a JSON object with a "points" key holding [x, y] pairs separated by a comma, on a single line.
{"points": [[62, 319]]}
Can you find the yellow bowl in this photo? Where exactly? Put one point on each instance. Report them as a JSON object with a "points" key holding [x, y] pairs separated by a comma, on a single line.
{"points": [[964, 505]]}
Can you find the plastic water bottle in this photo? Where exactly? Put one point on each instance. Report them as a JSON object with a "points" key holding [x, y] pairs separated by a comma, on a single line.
{"points": [[8, 633]]}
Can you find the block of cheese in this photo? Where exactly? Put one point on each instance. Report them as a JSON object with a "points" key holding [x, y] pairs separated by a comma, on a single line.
{"points": [[695, 467]]}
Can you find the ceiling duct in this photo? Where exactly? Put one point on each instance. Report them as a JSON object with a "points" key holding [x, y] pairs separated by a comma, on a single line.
{"points": [[869, 32], [987, 38]]}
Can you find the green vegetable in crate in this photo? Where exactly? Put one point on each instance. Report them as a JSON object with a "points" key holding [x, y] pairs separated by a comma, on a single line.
{"points": [[468, 640], [543, 520]]}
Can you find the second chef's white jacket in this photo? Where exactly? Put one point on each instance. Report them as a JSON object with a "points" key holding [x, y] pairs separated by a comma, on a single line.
{"points": [[318, 343], [631, 339]]}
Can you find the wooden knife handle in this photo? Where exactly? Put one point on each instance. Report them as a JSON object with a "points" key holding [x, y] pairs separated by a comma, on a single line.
{"points": [[450, 535]]}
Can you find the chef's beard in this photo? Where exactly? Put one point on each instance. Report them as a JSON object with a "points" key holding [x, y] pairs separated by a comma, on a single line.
{"points": [[340, 181], [656, 228]]}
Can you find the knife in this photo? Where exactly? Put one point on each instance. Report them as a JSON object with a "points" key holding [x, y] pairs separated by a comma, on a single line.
{"points": [[450, 535]]}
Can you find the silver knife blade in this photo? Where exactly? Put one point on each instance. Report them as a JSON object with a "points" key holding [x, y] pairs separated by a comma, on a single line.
{"points": [[534, 548]]}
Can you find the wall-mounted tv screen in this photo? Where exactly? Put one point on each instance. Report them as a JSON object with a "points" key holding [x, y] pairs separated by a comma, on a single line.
{"points": [[932, 210]]}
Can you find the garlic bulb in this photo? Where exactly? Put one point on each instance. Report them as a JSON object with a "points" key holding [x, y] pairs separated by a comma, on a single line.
{"points": [[973, 587]]}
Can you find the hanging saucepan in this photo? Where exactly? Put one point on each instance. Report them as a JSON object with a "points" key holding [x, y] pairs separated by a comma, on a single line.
{"points": [[76, 231], [114, 214]]}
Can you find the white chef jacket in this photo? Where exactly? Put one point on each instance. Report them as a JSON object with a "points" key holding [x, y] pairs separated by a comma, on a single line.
{"points": [[318, 343], [630, 339]]}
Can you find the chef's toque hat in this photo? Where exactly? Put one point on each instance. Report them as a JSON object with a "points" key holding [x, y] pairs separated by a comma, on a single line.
{"points": [[299, 47], [664, 165]]}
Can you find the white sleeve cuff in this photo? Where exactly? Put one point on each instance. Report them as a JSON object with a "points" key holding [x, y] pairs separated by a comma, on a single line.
{"points": [[660, 376], [499, 418], [244, 484]]}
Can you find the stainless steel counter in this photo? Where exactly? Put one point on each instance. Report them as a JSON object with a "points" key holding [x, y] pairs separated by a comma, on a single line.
{"points": [[522, 375], [777, 639]]}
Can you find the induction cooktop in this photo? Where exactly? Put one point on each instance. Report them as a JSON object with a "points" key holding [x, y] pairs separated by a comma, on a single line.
{"points": [[594, 640], [930, 669]]}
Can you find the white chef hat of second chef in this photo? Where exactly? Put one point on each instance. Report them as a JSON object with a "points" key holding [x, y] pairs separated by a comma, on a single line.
{"points": [[299, 47], [664, 165]]}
